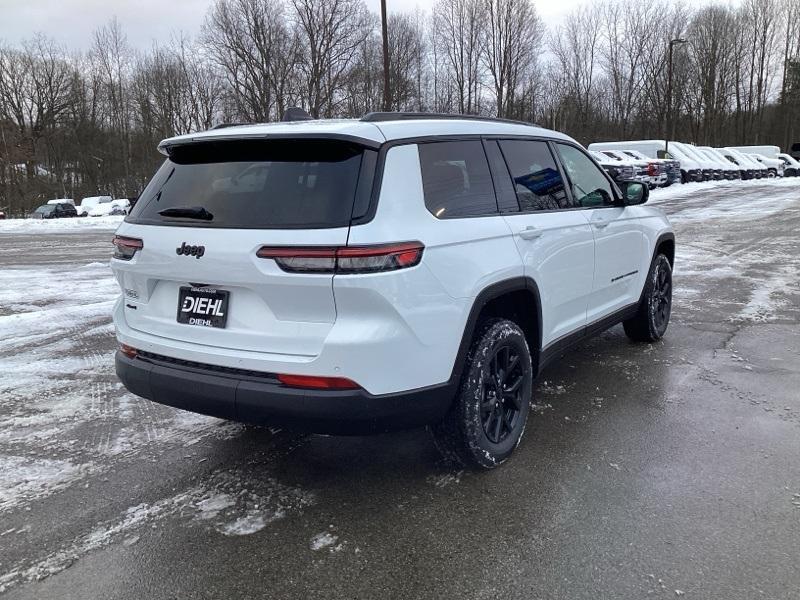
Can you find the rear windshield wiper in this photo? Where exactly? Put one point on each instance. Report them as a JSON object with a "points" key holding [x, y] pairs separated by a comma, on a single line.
{"points": [[187, 212]]}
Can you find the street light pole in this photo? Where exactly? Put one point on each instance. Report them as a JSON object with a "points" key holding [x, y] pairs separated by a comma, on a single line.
{"points": [[670, 125], [387, 94]]}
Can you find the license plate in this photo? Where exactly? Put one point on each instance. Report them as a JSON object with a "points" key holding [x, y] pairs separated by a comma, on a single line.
{"points": [[203, 307]]}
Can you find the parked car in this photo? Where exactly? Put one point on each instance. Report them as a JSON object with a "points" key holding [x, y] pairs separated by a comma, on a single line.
{"points": [[746, 170], [760, 171], [671, 168], [647, 171], [711, 170], [54, 211], [107, 207], [795, 151], [791, 167], [691, 170], [2, 215], [773, 165], [89, 203], [618, 171], [729, 170], [348, 293]]}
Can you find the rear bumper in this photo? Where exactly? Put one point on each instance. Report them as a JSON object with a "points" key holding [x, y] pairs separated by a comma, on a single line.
{"points": [[262, 400]]}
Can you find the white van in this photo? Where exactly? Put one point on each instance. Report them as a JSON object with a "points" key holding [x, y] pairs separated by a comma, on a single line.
{"points": [[691, 170], [768, 151]]}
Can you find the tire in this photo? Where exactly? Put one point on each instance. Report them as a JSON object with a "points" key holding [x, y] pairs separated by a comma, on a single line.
{"points": [[652, 316], [481, 431]]}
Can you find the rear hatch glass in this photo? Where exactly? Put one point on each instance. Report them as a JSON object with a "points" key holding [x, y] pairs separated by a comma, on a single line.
{"points": [[259, 184]]}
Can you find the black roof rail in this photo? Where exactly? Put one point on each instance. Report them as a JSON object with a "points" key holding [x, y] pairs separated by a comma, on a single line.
{"points": [[226, 125], [377, 117]]}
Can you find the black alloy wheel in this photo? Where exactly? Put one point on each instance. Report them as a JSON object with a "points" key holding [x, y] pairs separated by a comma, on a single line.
{"points": [[502, 394], [662, 298]]}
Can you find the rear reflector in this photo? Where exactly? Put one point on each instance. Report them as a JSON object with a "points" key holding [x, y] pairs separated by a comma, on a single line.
{"points": [[345, 259], [125, 247], [128, 351], [317, 383]]}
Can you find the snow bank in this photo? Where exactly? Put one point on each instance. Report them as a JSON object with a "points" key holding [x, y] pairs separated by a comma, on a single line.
{"points": [[59, 225], [694, 190]]}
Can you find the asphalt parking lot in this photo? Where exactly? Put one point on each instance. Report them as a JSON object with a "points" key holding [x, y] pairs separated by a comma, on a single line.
{"points": [[664, 470]]}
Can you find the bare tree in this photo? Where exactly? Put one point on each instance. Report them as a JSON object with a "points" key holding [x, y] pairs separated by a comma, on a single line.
{"points": [[330, 33], [576, 45], [112, 58], [629, 37], [252, 43], [35, 87], [406, 45], [512, 41], [459, 32]]}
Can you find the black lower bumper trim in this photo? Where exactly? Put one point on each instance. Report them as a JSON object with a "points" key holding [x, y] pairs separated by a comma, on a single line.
{"points": [[267, 402]]}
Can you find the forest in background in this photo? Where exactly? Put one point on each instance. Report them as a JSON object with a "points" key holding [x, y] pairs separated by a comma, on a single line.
{"points": [[75, 123]]}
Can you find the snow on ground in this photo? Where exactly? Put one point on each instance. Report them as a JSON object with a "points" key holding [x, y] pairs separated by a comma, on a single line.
{"points": [[727, 199], [221, 503], [708, 270], [44, 226]]}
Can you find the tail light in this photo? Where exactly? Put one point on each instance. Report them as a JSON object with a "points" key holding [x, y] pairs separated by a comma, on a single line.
{"points": [[317, 383], [345, 259], [652, 169], [125, 247]]}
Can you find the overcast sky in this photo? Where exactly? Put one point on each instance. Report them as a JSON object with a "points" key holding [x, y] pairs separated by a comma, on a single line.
{"points": [[71, 22]]}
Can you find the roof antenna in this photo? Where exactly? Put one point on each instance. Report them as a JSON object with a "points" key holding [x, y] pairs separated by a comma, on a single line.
{"points": [[295, 113]]}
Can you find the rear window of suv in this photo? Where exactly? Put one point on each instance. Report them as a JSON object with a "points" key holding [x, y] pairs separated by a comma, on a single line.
{"points": [[258, 184], [456, 179]]}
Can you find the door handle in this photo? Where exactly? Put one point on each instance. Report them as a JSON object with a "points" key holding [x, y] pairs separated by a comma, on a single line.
{"points": [[600, 223], [530, 233]]}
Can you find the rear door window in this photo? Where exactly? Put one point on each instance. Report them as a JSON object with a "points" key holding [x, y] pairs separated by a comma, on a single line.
{"points": [[536, 177], [256, 184], [456, 179]]}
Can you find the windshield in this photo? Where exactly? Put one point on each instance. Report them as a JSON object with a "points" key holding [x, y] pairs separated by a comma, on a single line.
{"points": [[678, 153], [46, 209], [255, 184]]}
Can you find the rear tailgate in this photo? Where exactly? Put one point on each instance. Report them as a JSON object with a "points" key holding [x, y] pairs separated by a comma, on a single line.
{"points": [[268, 310], [201, 221]]}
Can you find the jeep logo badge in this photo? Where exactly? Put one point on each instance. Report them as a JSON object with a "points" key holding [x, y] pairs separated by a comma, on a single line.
{"points": [[196, 251]]}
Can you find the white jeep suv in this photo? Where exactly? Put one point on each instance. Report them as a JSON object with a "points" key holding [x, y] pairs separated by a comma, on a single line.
{"points": [[350, 276]]}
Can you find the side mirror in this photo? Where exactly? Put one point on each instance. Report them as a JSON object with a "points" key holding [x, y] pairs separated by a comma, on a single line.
{"points": [[634, 193]]}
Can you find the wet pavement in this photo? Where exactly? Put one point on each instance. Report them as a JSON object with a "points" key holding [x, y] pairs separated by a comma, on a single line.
{"points": [[646, 470]]}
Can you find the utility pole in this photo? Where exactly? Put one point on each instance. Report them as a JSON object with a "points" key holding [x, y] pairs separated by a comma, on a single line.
{"points": [[670, 125], [387, 92]]}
